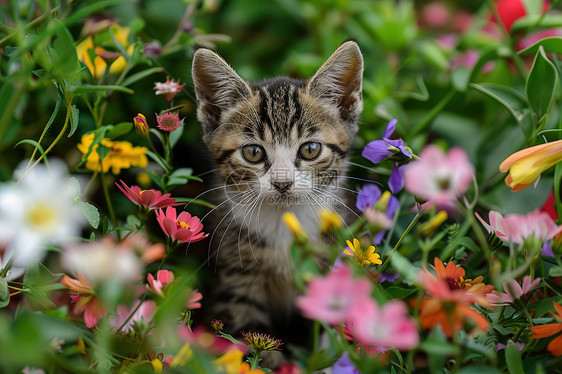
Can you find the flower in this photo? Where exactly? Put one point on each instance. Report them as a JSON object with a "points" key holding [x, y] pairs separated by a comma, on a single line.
{"points": [[261, 342], [99, 66], [144, 312], [536, 226], [513, 290], [139, 243], [182, 228], [169, 89], [332, 298], [102, 261], [344, 365], [453, 275], [217, 325], [163, 278], [363, 258], [149, 199], [194, 300], [229, 363], [295, 227], [389, 326], [169, 121], [208, 341], [329, 220], [438, 177], [527, 164], [510, 11], [543, 331], [36, 212], [83, 296], [121, 155], [140, 125], [183, 356], [370, 201], [379, 150], [288, 369]]}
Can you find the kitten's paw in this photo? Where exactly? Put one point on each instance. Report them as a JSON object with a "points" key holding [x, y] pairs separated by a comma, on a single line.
{"points": [[272, 359]]}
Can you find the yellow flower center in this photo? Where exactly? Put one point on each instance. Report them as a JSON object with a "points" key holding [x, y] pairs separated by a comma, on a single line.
{"points": [[183, 225], [42, 216]]}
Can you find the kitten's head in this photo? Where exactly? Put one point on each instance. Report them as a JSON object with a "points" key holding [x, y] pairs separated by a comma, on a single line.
{"points": [[281, 140]]}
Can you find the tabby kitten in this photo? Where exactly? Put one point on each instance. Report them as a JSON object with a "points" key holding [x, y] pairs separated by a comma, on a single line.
{"points": [[279, 146]]}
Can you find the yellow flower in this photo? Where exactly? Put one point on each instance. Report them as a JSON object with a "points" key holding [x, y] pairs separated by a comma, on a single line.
{"points": [[295, 227], [430, 226], [98, 67], [526, 165], [362, 257], [157, 365], [122, 155], [229, 363], [183, 356], [329, 220]]}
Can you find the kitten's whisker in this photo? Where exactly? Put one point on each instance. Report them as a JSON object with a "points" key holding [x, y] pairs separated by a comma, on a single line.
{"points": [[361, 166], [358, 179], [333, 210], [337, 187], [207, 191], [336, 197]]}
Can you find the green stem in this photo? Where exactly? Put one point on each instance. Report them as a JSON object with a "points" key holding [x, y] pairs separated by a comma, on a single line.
{"points": [[410, 226], [426, 120], [109, 204]]}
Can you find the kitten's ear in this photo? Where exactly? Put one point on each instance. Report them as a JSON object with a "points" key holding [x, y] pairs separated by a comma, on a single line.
{"points": [[339, 81], [217, 87]]}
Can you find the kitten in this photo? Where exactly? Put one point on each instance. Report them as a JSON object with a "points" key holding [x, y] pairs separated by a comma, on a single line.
{"points": [[279, 146]]}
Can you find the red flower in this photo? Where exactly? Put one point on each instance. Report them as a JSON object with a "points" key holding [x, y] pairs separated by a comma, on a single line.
{"points": [[150, 199], [183, 227], [511, 10]]}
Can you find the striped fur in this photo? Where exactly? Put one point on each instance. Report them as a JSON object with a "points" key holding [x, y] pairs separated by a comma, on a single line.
{"points": [[253, 284]]}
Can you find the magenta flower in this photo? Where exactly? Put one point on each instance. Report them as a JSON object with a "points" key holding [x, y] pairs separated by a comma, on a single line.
{"points": [[437, 177], [517, 228], [183, 227], [335, 297], [163, 278], [149, 199], [145, 312], [168, 121], [513, 291], [389, 326]]}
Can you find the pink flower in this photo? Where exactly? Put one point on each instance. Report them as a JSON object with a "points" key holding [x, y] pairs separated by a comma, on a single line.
{"points": [[183, 228], [163, 278], [514, 291], [335, 297], [194, 300], [149, 199], [144, 312], [389, 326], [517, 228], [82, 294], [168, 121], [169, 88], [437, 177]]}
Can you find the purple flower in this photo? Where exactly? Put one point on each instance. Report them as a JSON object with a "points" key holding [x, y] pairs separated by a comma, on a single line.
{"points": [[366, 200], [396, 181], [344, 366], [378, 150]]}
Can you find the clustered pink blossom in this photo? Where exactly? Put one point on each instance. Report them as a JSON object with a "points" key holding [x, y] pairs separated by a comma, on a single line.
{"points": [[182, 228], [514, 291]]}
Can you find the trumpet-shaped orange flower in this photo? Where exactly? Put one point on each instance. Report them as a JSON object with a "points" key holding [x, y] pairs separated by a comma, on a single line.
{"points": [[526, 165], [544, 331]]}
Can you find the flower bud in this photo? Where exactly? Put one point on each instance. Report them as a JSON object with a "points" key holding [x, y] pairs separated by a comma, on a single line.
{"points": [[141, 125]]}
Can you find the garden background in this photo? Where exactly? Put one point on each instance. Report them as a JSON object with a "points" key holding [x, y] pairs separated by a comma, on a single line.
{"points": [[80, 293]]}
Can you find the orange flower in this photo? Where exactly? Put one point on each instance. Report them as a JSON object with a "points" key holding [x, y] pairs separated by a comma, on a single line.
{"points": [[543, 331], [451, 295], [526, 165]]}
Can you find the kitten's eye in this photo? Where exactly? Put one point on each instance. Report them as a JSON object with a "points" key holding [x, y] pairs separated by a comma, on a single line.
{"points": [[310, 150], [253, 153]]}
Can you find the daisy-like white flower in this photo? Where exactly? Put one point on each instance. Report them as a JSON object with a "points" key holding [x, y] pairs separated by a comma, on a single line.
{"points": [[36, 212]]}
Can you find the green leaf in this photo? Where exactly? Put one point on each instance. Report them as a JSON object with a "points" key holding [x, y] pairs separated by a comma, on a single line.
{"points": [[175, 135], [513, 359], [121, 128], [422, 94], [322, 359], [4, 293], [510, 98], [64, 59], [528, 22], [87, 88], [74, 119], [36, 145], [460, 78], [541, 83], [435, 346], [140, 75], [90, 212], [550, 44], [478, 369], [399, 292], [102, 151], [533, 7], [433, 54], [404, 267]]}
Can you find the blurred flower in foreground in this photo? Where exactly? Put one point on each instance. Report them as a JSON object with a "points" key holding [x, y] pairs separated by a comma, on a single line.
{"points": [[163, 278], [344, 365], [120, 155], [510, 11], [514, 291], [82, 294], [527, 164], [437, 177], [169, 89], [37, 212], [168, 121], [149, 199], [362, 258], [389, 326], [333, 298], [102, 261], [378, 208], [543, 331], [182, 228], [532, 229], [98, 67], [145, 312], [147, 251], [292, 222], [329, 220]]}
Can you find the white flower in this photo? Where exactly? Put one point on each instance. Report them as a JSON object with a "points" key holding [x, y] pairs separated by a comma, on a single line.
{"points": [[36, 212]]}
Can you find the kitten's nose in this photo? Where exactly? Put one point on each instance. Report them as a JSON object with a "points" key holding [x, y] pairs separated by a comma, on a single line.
{"points": [[282, 186]]}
